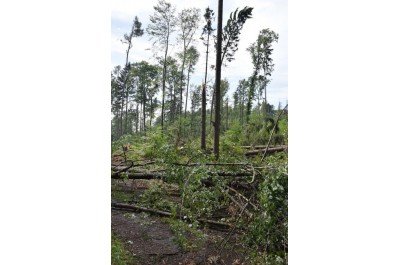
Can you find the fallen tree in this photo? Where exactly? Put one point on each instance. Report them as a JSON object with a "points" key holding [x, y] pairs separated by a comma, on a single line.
{"points": [[136, 208], [259, 146], [268, 151], [159, 174]]}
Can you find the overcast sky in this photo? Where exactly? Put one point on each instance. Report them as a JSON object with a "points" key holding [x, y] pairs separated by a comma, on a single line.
{"points": [[270, 14]]}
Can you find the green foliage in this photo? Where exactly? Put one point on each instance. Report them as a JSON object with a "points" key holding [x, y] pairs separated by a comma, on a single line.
{"points": [[119, 255], [267, 234], [232, 30], [188, 236], [198, 200]]}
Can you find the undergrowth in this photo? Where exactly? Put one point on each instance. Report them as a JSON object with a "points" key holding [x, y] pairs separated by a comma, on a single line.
{"points": [[119, 255], [203, 192]]}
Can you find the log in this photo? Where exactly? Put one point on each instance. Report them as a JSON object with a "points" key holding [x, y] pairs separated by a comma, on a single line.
{"points": [[259, 146], [137, 176], [210, 164], [132, 207], [270, 150], [158, 174]]}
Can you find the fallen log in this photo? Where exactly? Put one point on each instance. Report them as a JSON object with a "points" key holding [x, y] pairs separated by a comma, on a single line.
{"points": [[132, 207], [259, 146], [270, 150], [210, 164], [158, 174], [137, 176]]}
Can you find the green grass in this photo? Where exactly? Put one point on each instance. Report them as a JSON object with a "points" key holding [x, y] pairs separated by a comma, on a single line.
{"points": [[119, 255]]}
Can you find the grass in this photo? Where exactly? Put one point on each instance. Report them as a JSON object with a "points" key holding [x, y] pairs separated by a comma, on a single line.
{"points": [[119, 255]]}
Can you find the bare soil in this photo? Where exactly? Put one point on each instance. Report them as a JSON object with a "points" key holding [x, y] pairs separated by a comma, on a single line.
{"points": [[150, 239]]}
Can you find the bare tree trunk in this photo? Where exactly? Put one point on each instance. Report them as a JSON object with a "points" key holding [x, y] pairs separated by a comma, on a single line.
{"points": [[218, 81], [181, 84], [203, 114], [137, 117], [151, 109], [227, 113], [126, 112], [144, 114], [187, 90], [212, 108], [203, 103], [163, 86]]}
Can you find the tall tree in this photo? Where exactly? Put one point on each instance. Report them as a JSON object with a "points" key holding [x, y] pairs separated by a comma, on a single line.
{"points": [[193, 56], [230, 37], [163, 24], [187, 22], [146, 80], [136, 31], [207, 30], [172, 90], [261, 58], [218, 64]]}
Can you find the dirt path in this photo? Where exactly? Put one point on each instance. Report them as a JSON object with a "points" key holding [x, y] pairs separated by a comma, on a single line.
{"points": [[150, 240]]}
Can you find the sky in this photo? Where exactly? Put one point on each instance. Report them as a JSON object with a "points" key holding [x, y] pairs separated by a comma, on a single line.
{"points": [[270, 14]]}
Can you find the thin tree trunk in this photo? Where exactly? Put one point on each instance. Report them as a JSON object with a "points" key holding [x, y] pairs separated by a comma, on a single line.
{"points": [[204, 102], [181, 83], [265, 100], [144, 114], [212, 108], [218, 81], [151, 109], [203, 115], [227, 113], [181, 90], [126, 112], [163, 86], [187, 90], [137, 117]]}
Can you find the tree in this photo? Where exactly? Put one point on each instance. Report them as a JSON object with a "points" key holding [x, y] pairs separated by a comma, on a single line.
{"points": [[136, 31], [218, 64], [207, 30], [163, 23], [147, 78], [193, 57], [230, 38], [187, 22], [261, 58], [232, 30], [240, 97], [172, 89]]}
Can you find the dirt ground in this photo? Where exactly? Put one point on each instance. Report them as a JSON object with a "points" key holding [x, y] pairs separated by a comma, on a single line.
{"points": [[150, 239]]}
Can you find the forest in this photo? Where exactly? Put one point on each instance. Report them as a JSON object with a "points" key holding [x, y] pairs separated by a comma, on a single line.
{"points": [[199, 171]]}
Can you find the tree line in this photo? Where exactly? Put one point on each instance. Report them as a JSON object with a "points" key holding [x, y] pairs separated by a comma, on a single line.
{"points": [[144, 95]]}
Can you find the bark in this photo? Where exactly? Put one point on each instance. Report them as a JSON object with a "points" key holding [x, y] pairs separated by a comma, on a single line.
{"points": [[158, 174], [163, 84], [267, 150], [203, 116], [218, 81], [259, 146], [187, 90], [132, 207]]}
